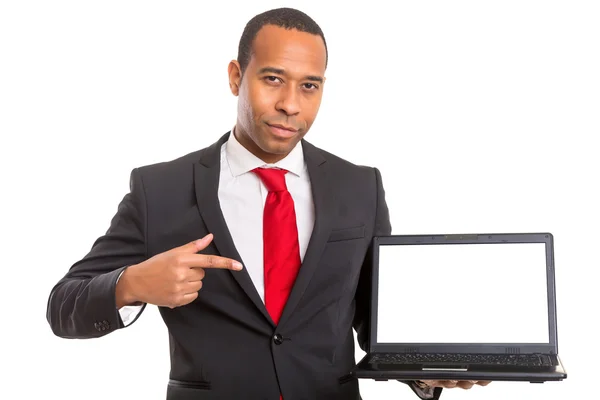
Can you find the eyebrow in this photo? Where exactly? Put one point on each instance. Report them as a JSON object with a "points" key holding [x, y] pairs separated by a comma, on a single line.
{"points": [[280, 71]]}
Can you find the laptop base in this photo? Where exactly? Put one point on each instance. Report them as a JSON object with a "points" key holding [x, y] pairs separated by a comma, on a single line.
{"points": [[367, 370]]}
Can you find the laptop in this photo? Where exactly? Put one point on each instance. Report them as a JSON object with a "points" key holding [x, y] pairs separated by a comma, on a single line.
{"points": [[463, 307]]}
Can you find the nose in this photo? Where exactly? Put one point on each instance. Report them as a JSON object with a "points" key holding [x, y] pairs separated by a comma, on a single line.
{"points": [[289, 102]]}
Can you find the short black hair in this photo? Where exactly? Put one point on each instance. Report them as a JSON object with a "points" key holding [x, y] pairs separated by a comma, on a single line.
{"points": [[288, 18]]}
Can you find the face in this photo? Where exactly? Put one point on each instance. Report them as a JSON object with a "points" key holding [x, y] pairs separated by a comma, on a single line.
{"points": [[280, 92]]}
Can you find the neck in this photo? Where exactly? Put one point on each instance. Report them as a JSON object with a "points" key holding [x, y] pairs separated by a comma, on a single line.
{"points": [[253, 148]]}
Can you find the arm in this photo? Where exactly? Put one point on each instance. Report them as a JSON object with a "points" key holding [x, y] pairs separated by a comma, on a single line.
{"points": [[83, 304], [363, 293], [361, 314]]}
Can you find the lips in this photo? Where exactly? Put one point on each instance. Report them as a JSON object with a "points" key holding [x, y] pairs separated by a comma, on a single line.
{"points": [[287, 128], [282, 131]]}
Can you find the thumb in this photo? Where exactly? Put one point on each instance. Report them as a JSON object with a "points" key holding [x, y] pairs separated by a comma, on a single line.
{"points": [[196, 245]]}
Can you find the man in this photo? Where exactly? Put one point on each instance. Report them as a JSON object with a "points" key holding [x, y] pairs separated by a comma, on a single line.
{"points": [[254, 249]]}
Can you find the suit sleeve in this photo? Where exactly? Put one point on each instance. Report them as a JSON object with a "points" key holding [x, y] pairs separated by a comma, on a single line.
{"points": [[383, 227], [363, 292], [82, 304]]}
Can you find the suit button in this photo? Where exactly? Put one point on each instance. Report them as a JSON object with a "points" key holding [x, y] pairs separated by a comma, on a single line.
{"points": [[278, 339]]}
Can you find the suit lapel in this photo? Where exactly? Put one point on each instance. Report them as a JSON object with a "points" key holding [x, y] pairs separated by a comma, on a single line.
{"points": [[324, 201], [206, 181]]}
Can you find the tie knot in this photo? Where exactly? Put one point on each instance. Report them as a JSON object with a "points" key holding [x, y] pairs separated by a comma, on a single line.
{"points": [[273, 178]]}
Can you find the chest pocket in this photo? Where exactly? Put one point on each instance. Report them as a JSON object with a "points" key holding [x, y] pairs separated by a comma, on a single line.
{"points": [[337, 235]]}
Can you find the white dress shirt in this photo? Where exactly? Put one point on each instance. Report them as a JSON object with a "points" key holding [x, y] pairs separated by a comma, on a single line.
{"points": [[242, 196]]}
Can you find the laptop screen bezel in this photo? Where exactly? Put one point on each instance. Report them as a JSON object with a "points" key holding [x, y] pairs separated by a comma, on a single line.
{"points": [[504, 348]]}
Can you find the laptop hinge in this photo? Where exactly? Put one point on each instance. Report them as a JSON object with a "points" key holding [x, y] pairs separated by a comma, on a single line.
{"points": [[411, 350]]}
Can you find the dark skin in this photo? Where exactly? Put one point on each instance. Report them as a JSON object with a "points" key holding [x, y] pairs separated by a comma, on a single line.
{"points": [[279, 95], [282, 85]]}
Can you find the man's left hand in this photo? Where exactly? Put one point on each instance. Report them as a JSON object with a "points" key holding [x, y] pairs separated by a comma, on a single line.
{"points": [[454, 384]]}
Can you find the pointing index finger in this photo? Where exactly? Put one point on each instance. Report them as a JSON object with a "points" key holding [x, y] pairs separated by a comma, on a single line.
{"points": [[212, 261]]}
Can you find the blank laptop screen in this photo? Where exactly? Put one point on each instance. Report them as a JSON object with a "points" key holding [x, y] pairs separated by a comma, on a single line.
{"points": [[463, 293]]}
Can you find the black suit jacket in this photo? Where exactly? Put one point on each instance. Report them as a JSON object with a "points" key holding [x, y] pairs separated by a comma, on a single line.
{"points": [[224, 345]]}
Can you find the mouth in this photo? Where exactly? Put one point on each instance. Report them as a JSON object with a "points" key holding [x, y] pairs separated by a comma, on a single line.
{"points": [[282, 131]]}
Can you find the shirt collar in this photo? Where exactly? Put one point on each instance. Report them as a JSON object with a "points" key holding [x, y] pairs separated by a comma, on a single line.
{"points": [[241, 160]]}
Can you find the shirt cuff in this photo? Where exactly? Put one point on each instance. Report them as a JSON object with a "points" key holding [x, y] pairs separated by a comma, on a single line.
{"points": [[129, 313], [423, 393]]}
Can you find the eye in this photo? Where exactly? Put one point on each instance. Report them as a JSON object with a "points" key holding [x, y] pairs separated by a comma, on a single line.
{"points": [[272, 79], [310, 86]]}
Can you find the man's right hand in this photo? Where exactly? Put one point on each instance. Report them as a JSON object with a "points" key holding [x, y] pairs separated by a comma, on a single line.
{"points": [[170, 279]]}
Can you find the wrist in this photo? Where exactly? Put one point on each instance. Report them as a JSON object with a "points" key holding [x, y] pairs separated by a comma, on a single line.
{"points": [[124, 291]]}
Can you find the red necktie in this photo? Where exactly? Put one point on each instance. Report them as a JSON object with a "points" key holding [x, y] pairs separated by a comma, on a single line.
{"points": [[280, 238]]}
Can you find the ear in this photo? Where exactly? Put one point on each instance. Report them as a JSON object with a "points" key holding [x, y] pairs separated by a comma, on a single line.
{"points": [[235, 77]]}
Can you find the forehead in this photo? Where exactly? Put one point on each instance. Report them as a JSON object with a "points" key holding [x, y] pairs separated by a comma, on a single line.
{"points": [[295, 52]]}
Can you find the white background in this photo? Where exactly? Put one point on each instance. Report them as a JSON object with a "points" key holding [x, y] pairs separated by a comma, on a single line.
{"points": [[505, 292], [482, 117]]}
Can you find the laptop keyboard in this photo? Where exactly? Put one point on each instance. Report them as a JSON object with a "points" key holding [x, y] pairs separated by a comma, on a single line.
{"points": [[525, 360]]}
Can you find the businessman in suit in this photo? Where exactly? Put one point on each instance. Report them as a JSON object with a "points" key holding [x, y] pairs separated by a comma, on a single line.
{"points": [[255, 249]]}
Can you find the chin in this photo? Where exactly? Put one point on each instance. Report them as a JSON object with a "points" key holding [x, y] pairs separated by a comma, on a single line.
{"points": [[279, 148], [277, 145]]}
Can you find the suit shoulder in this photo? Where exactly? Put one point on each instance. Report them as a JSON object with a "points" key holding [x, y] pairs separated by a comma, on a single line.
{"points": [[340, 163], [169, 175], [174, 166]]}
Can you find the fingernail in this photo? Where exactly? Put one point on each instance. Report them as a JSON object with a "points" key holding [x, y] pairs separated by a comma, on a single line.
{"points": [[237, 265], [473, 381]]}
